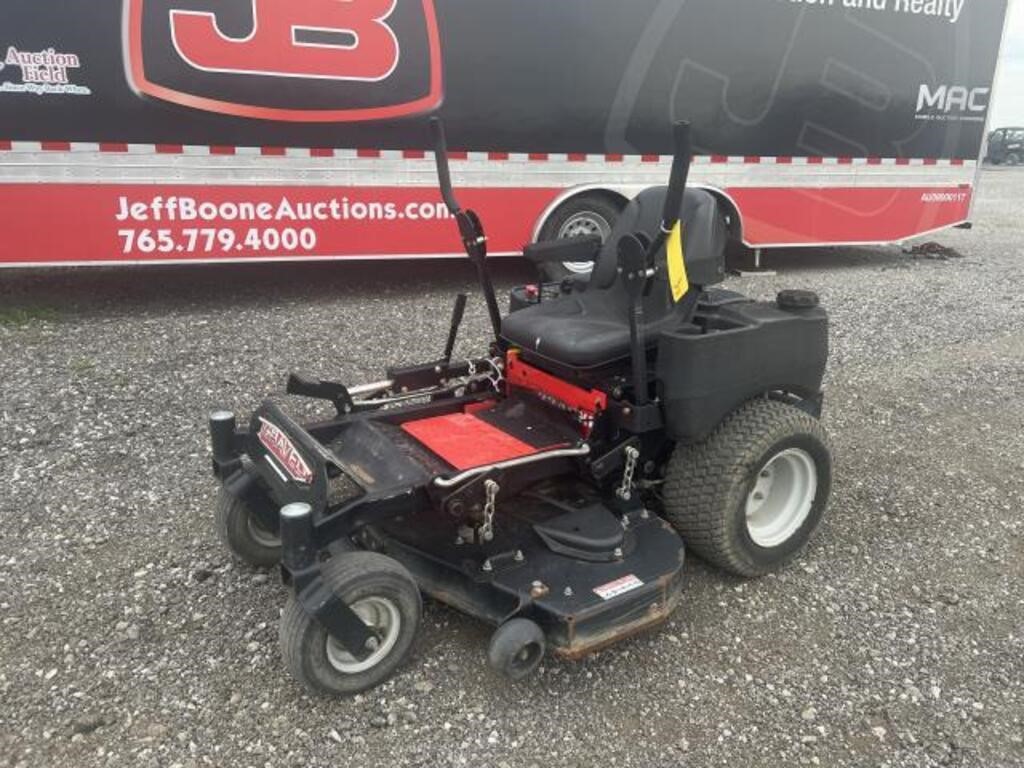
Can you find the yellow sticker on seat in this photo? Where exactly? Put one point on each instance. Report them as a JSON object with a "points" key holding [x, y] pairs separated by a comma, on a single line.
{"points": [[677, 277]]}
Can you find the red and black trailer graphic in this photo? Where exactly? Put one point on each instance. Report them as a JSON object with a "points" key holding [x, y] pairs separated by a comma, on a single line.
{"points": [[212, 130]]}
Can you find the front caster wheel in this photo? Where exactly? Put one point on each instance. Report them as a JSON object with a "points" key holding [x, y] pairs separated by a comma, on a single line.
{"points": [[243, 533], [383, 594], [749, 497], [517, 648]]}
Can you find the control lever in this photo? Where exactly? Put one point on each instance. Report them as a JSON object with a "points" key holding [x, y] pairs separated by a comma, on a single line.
{"points": [[457, 314]]}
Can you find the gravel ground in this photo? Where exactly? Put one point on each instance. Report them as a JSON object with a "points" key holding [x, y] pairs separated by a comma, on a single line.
{"points": [[131, 638]]}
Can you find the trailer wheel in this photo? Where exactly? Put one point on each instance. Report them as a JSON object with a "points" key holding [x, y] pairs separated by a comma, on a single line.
{"points": [[588, 214], [749, 497], [1013, 159], [383, 594], [243, 533], [517, 648]]}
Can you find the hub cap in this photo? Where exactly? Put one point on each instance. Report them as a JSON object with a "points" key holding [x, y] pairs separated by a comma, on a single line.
{"points": [[782, 497], [583, 224], [261, 535], [382, 617]]}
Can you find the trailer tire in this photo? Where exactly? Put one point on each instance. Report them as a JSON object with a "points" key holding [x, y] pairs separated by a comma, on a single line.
{"points": [[381, 591], [586, 214], [243, 534], [748, 498], [1013, 159]]}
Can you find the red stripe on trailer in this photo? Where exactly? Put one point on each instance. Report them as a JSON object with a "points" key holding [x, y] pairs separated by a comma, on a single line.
{"points": [[931, 161], [957, 161], [458, 155], [93, 217], [273, 151], [6, 146], [752, 160], [55, 146], [650, 158], [367, 153], [539, 157], [413, 154], [874, 161], [810, 216], [845, 160], [113, 147], [497, 156], [614, 158], [577, 157], [170, 149], [321, 152], [815, 160], [902, 161], [719, 159], [784, 160], [223, 151]]}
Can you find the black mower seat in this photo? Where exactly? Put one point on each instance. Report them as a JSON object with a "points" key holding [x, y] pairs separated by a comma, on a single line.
{"points": [[591, 329]]}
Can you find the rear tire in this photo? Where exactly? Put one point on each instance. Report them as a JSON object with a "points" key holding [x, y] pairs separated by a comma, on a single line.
{"points": [[381, 591], [243, 534], [588, 214], [749, 497]]}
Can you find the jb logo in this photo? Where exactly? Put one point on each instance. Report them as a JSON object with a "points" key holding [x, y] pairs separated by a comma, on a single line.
{"points": [[343, 60], [329, 39]]}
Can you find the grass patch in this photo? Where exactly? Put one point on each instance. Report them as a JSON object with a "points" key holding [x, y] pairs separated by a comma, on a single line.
{"points": [[19, 317]]}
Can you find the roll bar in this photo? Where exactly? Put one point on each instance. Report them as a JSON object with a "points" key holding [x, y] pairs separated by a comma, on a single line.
{"points": [[681, 162], [444, 173], [470, 228]]}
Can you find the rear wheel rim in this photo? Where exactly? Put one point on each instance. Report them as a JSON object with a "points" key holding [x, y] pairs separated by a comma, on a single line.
{"points": [[384, 619], [782, 497], [583, 224]]}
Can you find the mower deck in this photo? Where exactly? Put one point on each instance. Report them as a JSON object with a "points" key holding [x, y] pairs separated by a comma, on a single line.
{"points": [[586, 577]]}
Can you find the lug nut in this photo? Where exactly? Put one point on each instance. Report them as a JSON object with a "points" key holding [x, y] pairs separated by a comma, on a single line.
{"points": [[372, 644], [567, 592], [487, 566], [519, 557], [618, 553]]}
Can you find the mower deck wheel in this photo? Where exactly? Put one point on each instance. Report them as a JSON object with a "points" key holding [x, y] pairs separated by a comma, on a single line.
{"points": [[380, 591], [749, 497], [243, 534], [517, 648]]}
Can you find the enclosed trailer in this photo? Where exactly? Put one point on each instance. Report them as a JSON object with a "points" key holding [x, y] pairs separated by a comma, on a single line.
{"points": [[194, 130]]}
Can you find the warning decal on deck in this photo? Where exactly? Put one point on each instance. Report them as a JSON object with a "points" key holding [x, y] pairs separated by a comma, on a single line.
{"points": [[618, 587]]}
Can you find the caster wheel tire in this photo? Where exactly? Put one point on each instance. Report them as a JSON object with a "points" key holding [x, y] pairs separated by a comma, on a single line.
{"points": [[243, 533], [749, 497], [517, 648], [384, 596]]}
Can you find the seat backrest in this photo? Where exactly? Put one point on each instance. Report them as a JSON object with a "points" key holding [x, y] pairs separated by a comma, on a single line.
{"points": [[703, 244]]}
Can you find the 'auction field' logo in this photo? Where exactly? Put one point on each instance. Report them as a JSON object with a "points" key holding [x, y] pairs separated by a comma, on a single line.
{"points": [[301, 60], [42, 73]]}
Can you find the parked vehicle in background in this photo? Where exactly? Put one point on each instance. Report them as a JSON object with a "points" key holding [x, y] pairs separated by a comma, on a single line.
{"points": [[153, 131], [1006, 146]]}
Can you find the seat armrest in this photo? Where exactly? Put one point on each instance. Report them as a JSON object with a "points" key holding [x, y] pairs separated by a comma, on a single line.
{"points": [[583, 248]]}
